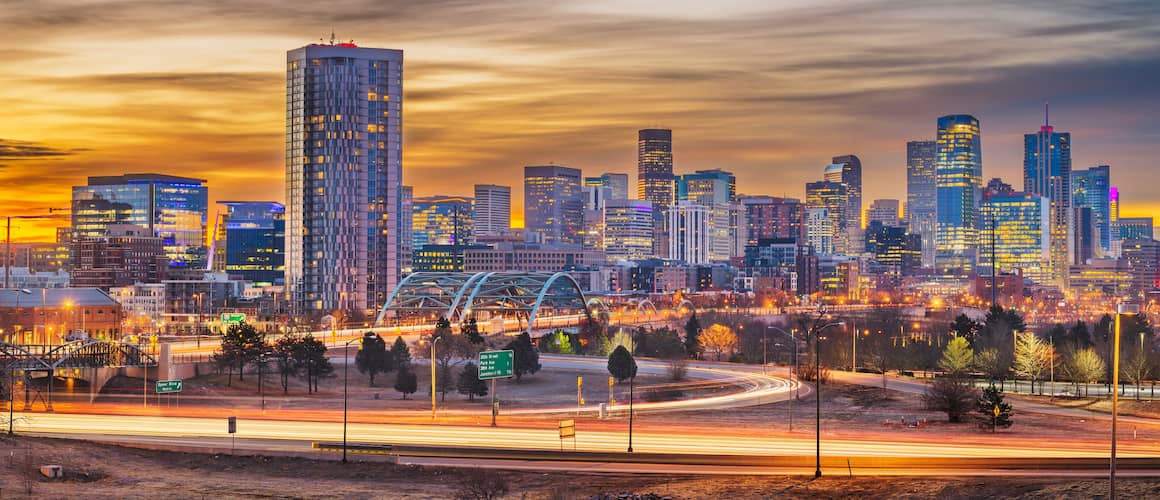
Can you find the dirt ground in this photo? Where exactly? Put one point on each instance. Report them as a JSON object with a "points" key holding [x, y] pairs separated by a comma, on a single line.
{"points": [[95, 471]]}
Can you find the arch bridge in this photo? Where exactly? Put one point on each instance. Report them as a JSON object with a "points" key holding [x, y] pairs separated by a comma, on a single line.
{"points": [[459, 296]]}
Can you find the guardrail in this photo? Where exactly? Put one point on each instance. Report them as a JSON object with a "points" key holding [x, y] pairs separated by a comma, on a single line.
{"points": [[785, 461]]}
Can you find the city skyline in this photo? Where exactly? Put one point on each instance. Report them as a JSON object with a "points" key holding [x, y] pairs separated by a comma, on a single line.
{"points": [[77, 107]]}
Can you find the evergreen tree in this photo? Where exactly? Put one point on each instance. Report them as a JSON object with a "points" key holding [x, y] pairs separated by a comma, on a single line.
{"points": [[621, 365], [242, 344], [373, 357], [692, 336], [469, 382], [965, 327], [993, 410], [400, 353], [311, 355], [405, 381], [525, 358], [285, 361], [470, 328]]}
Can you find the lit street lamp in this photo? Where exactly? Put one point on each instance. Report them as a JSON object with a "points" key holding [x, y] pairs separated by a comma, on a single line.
{"points": [[433, 342], [818, 393], [345, 392], [1121, 310]]}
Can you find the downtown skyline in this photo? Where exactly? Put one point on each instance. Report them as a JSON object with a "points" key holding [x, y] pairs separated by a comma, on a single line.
{"points": [[205, 97]]}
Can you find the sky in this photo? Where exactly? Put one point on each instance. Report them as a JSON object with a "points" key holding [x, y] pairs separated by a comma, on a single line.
{"points": [[770, 90]]}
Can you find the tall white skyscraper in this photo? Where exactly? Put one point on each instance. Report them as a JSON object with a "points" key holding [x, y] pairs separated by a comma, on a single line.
{"points": [[343, 177], [493, 210]]}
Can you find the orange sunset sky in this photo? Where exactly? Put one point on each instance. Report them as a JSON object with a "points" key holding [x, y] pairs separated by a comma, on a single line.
{"points": [[767, 89]]}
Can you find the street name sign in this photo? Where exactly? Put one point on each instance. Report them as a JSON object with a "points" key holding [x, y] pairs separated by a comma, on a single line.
{"points": [[495, 364], [168, 386], [233, 318]]}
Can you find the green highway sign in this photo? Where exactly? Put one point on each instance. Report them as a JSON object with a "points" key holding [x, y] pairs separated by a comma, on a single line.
{"points": [[168, 386], [495, 364], [233, 318]]}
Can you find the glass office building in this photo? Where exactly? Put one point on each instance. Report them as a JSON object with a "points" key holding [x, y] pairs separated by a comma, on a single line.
{"points": [[170, 207], [1091, 188], [441, 220], [553, 205], [1047, 173], [343, 177], [654, 169], [628, 230], [251, 241], [832, 196], [958, 188], [1019, 239], [921, 196]]}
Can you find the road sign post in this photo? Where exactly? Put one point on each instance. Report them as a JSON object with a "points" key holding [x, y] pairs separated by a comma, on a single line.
{"points": [[233, 318], [494, 365], [168, 386]]}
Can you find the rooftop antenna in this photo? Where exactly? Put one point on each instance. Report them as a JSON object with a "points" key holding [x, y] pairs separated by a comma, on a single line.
{"points": [[332, 36], [1046, 108]]}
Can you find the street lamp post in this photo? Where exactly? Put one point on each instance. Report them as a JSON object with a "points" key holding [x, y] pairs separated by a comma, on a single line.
{"points": [[818, 397], [790, 370], [433, 342], [1121, 310], [345, 392]]}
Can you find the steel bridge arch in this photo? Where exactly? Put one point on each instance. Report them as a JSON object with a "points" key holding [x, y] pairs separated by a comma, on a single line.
{"points": [[79, 354], [456, 296]]}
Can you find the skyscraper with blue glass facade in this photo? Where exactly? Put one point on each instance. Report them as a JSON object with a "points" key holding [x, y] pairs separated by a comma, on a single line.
{"points": [[1047, 173], [1091, 188], [1017, 232], [958, 186], [170, 207], [343, 177]]}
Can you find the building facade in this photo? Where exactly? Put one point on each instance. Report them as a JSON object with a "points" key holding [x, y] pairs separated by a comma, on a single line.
{"points": [[654, 169], [959, 179], [767, 217], [628, 230], [170, 207], [553, 205], [922, 196], [831, 196], [1047, 173], [1091, 188], [884, 212], [250, 241], [850, 175], [441, 220], [343, 177], [1019, 237], [493, 210]]}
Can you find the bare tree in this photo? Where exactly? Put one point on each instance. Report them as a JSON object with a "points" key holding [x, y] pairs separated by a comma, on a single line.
{"points": [[1032, 358]]}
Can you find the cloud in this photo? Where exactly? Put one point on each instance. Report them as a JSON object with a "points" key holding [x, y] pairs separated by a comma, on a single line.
{"points": [[29, 150]]}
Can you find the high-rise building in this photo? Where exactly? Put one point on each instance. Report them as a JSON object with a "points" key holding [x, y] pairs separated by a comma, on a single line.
{"points": [[172, 208], [884, 212], [406, 241], [654, 169], [1134, 228], [707, 187], [616, 183], [441, 220], [628, 230], [1084, 239], [1047, 173], [892, 246], [250, 241], [700, 234], [493, 210], [851, 176], [1143, 258], [1019, 237], [1092, 188], [959, 178], [831, 196], [553, 205], [344, 154], [820, 230], [996, 187], [922, 196], [767, 217]]}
